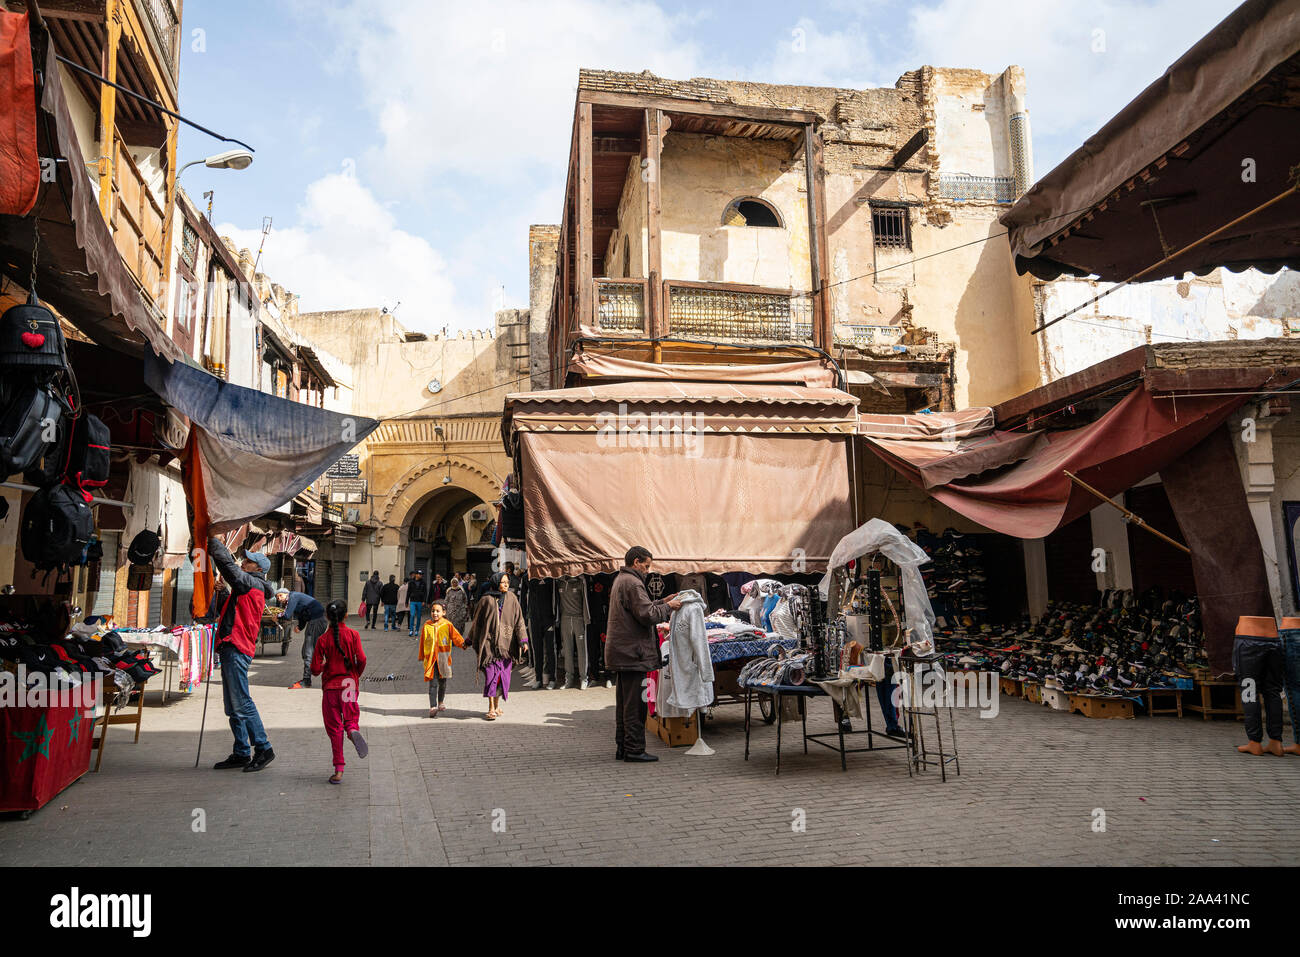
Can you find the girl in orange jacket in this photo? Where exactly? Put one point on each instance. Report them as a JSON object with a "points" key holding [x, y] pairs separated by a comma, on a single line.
{"points": [[436, 640]]}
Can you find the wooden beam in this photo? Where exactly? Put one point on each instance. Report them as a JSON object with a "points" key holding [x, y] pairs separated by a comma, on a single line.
{"points": [[108, 109], [816, 196], [585, 264], [89, 10], [617, 145], [668, 104], [160, 295], [652, 138]]}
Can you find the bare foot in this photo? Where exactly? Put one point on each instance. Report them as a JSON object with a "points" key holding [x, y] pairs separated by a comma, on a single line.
{"points": [[1291, 749], [1274, 747], [1251, 747], [433, 712]]}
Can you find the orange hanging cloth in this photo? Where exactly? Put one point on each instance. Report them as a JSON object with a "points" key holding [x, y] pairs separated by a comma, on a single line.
{"points": [[197, 498], [20, 171]]}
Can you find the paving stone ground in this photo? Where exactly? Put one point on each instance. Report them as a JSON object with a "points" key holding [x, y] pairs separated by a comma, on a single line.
{"points": [[540, 786]]}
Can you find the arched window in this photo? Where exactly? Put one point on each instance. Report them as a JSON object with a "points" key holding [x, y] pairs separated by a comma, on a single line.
{"points": [[748, 211]]}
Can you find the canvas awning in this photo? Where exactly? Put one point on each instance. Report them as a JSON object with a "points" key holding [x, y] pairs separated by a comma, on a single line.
{"points": [[1210, 141], [80, 271], [707, 476], [806, 372], [1017, 484]]}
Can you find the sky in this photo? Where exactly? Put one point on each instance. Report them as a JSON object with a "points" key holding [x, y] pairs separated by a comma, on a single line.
{"points": [[403, 147]]}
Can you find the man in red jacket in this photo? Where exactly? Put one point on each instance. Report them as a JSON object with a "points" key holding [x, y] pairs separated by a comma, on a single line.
{"points": [[236, 642]]}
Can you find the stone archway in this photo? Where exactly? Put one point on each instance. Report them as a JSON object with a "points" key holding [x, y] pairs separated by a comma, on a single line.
{"points": [[413, 491]]}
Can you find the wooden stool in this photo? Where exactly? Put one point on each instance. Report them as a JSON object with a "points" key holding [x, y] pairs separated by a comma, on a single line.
{"points": [[122, 718], [1151, 695], [1207, 708]]}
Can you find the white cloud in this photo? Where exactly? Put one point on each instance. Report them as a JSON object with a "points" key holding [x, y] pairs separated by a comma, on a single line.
{"points": [[346, 251], [1073, 86], [488, 90]]}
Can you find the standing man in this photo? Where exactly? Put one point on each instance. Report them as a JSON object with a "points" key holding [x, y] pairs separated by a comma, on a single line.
{"points": [[632, 651], [311, 621], [416, 595], [388, 595], [238, 623], [371, 596], [438, 588]]}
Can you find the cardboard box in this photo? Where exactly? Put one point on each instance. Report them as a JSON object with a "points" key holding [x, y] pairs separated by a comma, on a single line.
{"points": [[1094, 706], [675, 732]]}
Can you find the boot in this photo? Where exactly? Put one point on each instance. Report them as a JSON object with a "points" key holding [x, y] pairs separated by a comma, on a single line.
{"points": [[1274, 747], [1251, 747]]}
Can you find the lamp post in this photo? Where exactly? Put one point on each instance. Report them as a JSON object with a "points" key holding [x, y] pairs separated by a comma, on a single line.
{"points": [[230, 159]]}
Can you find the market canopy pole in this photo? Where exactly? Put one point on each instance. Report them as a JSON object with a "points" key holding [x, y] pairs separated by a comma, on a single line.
{"points": [[1129, 515]]}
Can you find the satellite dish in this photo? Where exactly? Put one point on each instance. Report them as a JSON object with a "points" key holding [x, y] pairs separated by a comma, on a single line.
{"points": [[434, 386]]}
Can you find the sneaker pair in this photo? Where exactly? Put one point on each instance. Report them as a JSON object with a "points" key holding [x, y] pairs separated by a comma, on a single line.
{"points": [[259, 760]]}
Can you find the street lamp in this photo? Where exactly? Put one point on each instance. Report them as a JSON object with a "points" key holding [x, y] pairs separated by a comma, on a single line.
{"points": [[231, 159]]}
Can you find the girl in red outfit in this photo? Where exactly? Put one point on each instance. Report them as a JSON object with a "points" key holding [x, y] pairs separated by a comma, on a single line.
{"points": [[340, 659]]}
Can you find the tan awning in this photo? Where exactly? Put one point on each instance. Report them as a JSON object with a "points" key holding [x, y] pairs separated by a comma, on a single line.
{"points": [[708, 477], [939, 425], [1211, 140], [807, 372]]}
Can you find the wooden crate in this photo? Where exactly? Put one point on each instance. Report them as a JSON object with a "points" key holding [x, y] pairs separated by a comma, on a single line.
{"points": [[1011, 686], [1033, 692], [675, 732], [1094, 706], [1056, 699]]}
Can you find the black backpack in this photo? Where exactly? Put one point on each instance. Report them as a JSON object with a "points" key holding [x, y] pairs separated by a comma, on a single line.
{"points": [[57, 527], [80, 456], [30, 415]]}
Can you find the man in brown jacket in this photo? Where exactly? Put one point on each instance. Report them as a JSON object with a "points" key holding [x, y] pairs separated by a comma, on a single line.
{"points": [[632, 650]]}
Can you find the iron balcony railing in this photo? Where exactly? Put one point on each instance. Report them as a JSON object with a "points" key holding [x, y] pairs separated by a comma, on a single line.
{"points": [[621, 305], [736, 312]]}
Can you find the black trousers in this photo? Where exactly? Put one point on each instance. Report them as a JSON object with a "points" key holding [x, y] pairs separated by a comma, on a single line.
{"points": [[1260, 661], [630, 711], [372, 614]]}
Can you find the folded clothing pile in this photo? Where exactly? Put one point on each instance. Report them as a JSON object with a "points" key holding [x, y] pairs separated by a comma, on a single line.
{"points": [[779, 669]]}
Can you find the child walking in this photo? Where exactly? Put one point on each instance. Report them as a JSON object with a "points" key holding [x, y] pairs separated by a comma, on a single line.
{"points": [[340, 660], [436, 640]]}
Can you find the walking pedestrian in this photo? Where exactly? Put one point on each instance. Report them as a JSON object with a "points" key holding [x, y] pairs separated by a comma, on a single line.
{"points": [[340, 661], [417, 593], [632, 651], [499, 638], [437, 638], [403, 606], [311, 621], [371, 595], [457, 604], [388, 595], [238, 622]]}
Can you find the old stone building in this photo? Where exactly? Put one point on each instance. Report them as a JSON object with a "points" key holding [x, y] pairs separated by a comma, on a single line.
{"points": [[430, 472]]}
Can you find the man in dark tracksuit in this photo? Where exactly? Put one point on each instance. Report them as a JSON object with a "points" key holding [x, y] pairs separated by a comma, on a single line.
{"points": [[310, 616], [632, 651]]}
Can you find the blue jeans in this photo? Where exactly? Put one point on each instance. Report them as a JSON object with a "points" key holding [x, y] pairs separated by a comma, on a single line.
{"points": [[1291, 649], [245, 722], [417, 616], [885, 697], [390, 614]]}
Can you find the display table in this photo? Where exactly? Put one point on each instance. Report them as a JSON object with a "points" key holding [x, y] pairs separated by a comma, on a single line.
{"points": [[802, 693], [42, 751]]}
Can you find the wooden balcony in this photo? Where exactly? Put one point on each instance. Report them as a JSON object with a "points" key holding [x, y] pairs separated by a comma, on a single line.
{"points": [[136, 219]]}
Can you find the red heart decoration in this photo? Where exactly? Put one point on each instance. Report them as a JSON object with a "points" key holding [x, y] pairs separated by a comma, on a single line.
{"points": [[33, 340]]}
